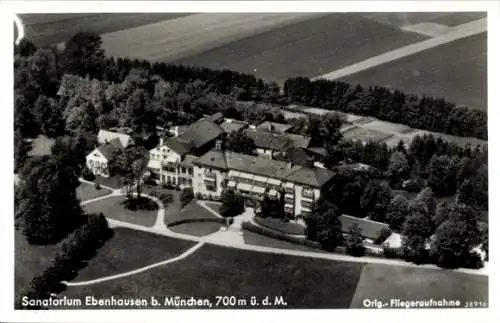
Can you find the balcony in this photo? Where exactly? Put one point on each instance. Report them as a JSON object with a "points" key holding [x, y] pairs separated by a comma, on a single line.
{"points": [[210, 176], [306, 205], [308, 194]]}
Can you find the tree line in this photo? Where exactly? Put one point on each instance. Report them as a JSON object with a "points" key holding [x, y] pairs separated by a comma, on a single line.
{"points": [[422, 112]]}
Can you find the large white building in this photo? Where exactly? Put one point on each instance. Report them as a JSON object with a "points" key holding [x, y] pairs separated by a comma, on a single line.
{"points": [[254, 176]]}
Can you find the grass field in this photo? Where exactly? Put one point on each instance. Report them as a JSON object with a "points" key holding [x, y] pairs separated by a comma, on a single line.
{"points": [[384, 282], [455, 71], [129, 250], [401, 19], [214, 270], [308, 48], [30, 260], [46, 29], [194, 34], [193, 211], [256, 239], [112, 208], [88, 191]]}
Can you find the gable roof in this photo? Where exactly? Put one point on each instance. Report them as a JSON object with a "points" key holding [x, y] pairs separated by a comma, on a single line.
{"points": [[105, 136], [201, 132], [268, 140], [214, 158], [230, 126], [315, 177], [179, 145], [216, 117], [108, 150], [188, 161], [274, 127], [299, 157], [369, 229]]}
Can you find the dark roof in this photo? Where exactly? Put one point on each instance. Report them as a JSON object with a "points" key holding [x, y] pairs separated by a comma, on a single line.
{"points": [[178, 145], [320, 151], [108, 150], [214, 158], [201, 132], [188, 161], [268, 140], [216, 117], [274, 127], [233, 126], [315, 177], [369, 229], [298, 156], [299, 141]]}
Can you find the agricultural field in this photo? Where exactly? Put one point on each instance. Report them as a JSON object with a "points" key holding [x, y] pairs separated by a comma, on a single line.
{"points": [[401, 19], [47, 29], [191, 35], [455, 71], [308, 48]]}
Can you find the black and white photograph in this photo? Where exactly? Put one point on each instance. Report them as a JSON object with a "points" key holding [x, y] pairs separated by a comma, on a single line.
{"points": [[247, 160]]}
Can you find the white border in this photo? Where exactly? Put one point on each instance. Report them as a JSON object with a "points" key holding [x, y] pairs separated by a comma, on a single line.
{"points": [[7, 269]]}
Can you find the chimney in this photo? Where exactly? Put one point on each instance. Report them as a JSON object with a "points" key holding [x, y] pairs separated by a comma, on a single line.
{"points": [[218, 144], [161, 141], [270, 127], [176, 131], [252, 127]]}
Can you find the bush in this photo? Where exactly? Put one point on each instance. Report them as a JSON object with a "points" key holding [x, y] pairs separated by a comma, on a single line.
{"points": [[186, 196], [474, 261], [414, 185], [199, 196], [383, 234], [183, 221], [97, 186], [393, 252], [88, 175], [354, 242], [150, 182], [279, 236], [142, 203]]}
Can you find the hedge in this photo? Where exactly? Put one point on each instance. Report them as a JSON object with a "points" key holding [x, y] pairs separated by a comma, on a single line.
{"points": [[279, 236], [184, 221], [72, 253], [270, 223]]}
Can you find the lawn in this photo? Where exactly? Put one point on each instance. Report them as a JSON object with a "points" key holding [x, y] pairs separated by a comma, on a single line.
{"points": [[193, 211], [383, 282], [112, 208], [308, 48], [30, 260], [113, 182], [215, 206], [129, 250], [88, 191], [46, 29], [438, 72], [280, 225], [41, 146], [215, 270]]}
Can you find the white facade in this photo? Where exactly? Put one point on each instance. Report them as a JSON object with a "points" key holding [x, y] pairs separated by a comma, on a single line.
{"points": [[208, 181], [97, 163]]}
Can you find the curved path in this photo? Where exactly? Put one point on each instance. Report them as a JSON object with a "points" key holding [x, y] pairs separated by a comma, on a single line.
{"points": [[139, 270], [232, 238]]}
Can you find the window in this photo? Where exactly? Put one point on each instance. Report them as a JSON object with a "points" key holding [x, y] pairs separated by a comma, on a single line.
{"points": [[307, 192], [288, 200], [306, 204], [190, 171], [211, 188]]}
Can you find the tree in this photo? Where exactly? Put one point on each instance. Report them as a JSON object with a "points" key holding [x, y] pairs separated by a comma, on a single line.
{"points": [[324, 226], [43, 71], [84, 56], [239, 142], [187, 196], [232, 204], [354, 242], [131, 165], [397, 212], [439, 179], [73, 150], [272, 207], [48, 116], [375, 200], [398, 169], [25, 48], [21, 149], [48, 208], [424, 203], [453, 243], [443, 212]]}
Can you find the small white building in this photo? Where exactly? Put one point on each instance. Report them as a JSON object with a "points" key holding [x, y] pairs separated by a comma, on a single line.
{"points": [[111, 143]]}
